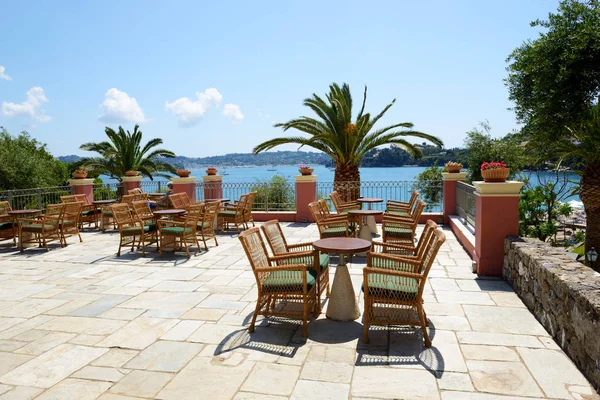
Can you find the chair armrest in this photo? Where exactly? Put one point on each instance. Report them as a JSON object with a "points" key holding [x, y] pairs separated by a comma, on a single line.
{"points": [[393, 246], [336, 218], [289, 267], [162, 222], [397, 218], [295, 255], [390, 272], [306, 246], [31, 220], [393, 257]]}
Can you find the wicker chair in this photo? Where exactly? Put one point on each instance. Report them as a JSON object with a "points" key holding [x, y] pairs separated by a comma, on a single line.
{"points": [[177, 201], [182, 232], [402, 208], [396, 228], [281, 284], [44, 229], [329, 226], [144, 213], [131, 227], [88, 210], [234, 213], [8, 228], [248, 209], [341, 206], [393, 288], [206, 226], [407, 249], [69, 225], [136, 191], [279, 246]]}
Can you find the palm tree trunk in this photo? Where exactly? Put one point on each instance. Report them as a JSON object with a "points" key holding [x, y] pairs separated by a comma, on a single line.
{"points": [[590, 196], [346, 182]]}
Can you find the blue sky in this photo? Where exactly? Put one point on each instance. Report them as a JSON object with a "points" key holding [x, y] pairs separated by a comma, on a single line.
{"points": [[211, 77]]}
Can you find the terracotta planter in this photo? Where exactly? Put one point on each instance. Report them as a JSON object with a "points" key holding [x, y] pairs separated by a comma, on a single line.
{"points": [[306, 171], [453, 167], [495, 175], [183, 173], [131, 173], [211, 171], [79, 174]]}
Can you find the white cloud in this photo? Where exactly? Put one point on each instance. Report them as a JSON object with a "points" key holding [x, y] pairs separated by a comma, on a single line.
{"points": [[3, 74], [30, 107], [118, 106], [233, 111], [190, 112]]}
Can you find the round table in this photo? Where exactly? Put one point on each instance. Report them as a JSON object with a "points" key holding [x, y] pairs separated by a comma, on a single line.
{"points": [[369, 201], [342, 305], [365, 231], [221, 200], [98, 208], [171, 212], [15, 214]]}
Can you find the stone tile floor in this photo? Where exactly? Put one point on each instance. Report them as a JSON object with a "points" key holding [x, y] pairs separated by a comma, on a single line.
{"points": [[80, 323]]}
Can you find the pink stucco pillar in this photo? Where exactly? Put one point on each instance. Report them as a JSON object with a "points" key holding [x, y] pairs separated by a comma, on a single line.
{"points": [[213, 187], [306, 192], [450, 180], [83, 186], [185, 185], [496, 217], [131, 182]]}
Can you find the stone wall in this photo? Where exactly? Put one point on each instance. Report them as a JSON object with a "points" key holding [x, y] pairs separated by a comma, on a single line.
{"points": [[563, 294]]}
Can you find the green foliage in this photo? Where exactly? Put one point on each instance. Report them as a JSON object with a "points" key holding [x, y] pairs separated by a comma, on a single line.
{"points": [[277, 193], [429, 185], [124, 152], [482, 147], [337, 134], [554, 79], [579, 237], [25, 163]]}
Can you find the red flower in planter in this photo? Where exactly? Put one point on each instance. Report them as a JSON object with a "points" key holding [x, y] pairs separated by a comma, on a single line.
{"points": [[493, 165]]}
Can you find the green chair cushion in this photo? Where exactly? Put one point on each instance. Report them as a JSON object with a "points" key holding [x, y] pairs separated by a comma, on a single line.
{"points": [[397, 212], [38, 228], [383, 263], [337, 231], [6, 225], [323, 261], [87, 213], [136, 230], [398, 232], [204, 224], [227, 213], [176, 230], [107, 214], [395, 287], [288, 281]]}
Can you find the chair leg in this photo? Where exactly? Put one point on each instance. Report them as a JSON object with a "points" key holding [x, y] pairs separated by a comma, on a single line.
{"points": [[305, 317], [423, 325], [120, 244], [160, 244], [256, 309], [186, 246]]}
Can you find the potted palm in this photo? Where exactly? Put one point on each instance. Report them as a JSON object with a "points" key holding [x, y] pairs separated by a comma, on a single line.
{"points": [[305, 170], [494, 171]]}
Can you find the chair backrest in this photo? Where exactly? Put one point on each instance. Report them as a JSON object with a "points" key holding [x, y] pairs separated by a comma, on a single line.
{"points": [[425, 238], [211, 208], [140, 196], [127, 198], [316, 212], [142, 209], [4, 208], [413, 199], [255, 248], [437, 240], [241, 204], [135, 191], [177, 200], [324, 207], [75, 198], [54, 213], [336, 200], [72, 211], [272, 231], [122, 215], [194, 213], [250, 201], [185, 199], [419, 207]]}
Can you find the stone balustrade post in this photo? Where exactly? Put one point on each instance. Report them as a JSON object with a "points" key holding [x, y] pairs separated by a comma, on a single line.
{"points": [[450, 179], [496, 217], [185, 185], [83, 186], [306, 192], [213, 187], [131, 182]]}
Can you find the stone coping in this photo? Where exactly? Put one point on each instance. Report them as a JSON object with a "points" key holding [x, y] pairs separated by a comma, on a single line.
{"points": [[498, 189], [454, 176], [212, 178], [183, 181], [80, 182], [137, 178], [306, 178]]}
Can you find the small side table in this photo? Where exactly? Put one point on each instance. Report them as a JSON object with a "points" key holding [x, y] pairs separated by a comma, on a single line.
{"points": [[342, 305], [369, 201], [364, 231]]}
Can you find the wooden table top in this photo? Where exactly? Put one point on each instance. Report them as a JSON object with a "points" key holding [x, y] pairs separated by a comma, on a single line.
{"points": [[111, 201], [221, 200], [369, 200], [23, 212], [171, 211], [342, 245], [365, 212]]}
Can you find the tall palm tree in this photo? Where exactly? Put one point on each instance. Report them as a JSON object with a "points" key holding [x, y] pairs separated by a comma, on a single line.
{"points": [[344, 140], [124, 152], [584, 144]]}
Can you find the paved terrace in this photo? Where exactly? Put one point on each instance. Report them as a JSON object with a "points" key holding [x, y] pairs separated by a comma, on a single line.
{"points": [[79, 323]]}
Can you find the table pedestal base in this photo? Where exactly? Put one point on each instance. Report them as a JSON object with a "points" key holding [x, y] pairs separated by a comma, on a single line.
{"points": [[372, 224], [342, 304]]}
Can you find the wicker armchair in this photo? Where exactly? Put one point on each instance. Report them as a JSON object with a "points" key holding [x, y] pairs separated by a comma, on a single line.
{"points": [[182, 232], [131, 227], [402, 208], [402, 229], [206, 226], [248, 209], [8, 228], [281, 284], [176, 200], [329, 226], [136, 191], [234, 213], [279, 246], [393, 288], [43, 229], [144, 213], [88, 210], [407, 249], [341, 206], [69, 225]]}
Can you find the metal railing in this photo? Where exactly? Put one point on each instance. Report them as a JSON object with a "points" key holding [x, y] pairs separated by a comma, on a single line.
{"points": [[465, 202], [271, 196], [36, 198], [430, 191]]}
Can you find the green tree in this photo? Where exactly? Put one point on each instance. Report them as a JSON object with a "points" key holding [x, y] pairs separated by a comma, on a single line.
{"points": [[344, 139], [276, 193], [124, 152], [429, 185], [482, 147], [555, 82], [26, 163]]}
